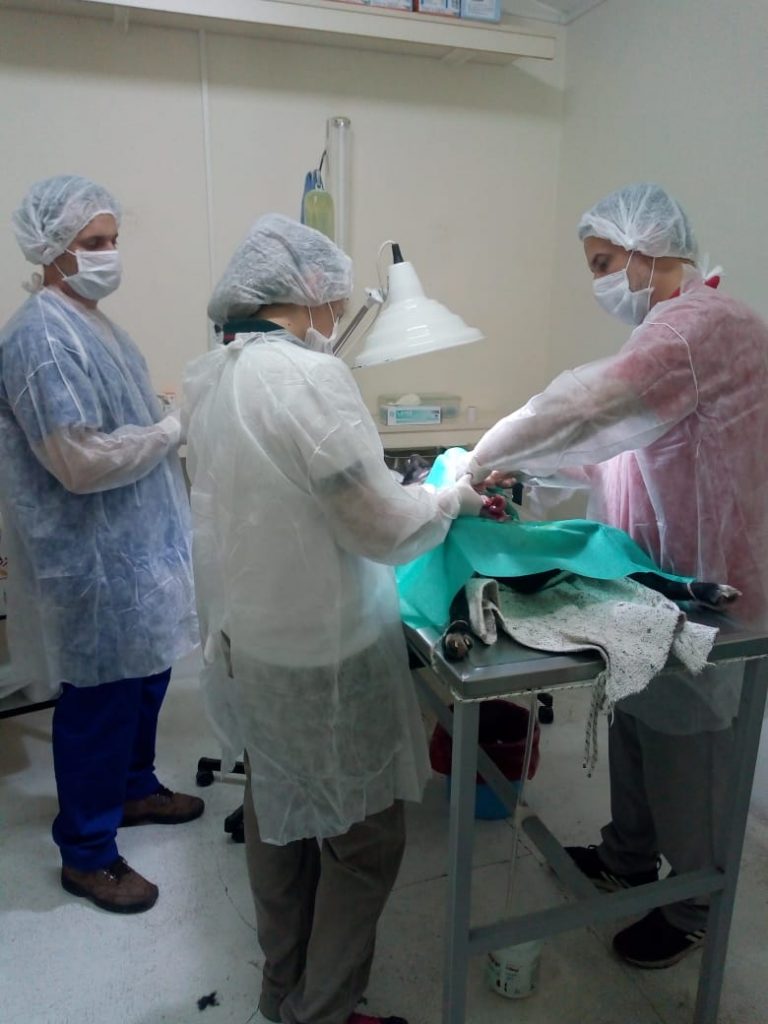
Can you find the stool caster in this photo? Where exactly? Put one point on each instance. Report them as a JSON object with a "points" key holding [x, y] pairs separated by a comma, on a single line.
{"points": [[546, 708], [235, 826], [206, 766]]}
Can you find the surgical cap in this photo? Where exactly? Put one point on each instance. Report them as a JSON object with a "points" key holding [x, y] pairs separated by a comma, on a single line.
{"points": [[55, 211], [281, 261], [642, 218]]}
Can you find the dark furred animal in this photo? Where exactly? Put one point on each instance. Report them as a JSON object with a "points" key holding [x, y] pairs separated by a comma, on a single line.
{"points": [[457, 640]]}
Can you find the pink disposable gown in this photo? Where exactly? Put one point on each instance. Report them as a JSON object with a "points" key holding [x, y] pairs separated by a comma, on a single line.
{"points": [[672, 434]]}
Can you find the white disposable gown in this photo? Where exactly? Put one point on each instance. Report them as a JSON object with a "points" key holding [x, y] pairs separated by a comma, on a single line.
{"points": [[671, 434], [297, 521], [94, 506]]}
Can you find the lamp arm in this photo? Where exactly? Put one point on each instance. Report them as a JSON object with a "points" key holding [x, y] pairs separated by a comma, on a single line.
{"points": [[373, 298]]}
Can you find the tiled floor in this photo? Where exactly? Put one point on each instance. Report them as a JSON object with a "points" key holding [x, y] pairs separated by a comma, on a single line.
{"points": [[62, 961]]}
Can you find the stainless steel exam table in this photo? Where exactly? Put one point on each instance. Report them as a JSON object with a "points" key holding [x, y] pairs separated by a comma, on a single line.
{"points": [[509, 670]]}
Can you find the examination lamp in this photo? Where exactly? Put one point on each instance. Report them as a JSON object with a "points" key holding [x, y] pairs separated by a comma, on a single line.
{"points": [[407, 322]]}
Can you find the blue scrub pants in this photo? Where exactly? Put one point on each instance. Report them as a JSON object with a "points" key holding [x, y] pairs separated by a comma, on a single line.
{"points": [[103, 754]]}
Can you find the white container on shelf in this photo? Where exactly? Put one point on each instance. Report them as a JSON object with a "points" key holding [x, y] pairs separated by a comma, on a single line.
{"points": [[400, 415], [449, 407], [394, 5], [446, 8]]}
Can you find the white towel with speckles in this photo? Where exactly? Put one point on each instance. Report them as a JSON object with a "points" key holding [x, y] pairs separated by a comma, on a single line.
{"points": [[634, 629]]}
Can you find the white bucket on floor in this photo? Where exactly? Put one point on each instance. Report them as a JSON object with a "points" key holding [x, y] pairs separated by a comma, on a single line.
{"points": [[513, 972]]}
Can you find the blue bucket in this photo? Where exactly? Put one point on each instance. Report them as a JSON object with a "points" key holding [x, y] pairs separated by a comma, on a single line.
{"points": [[488, 807]]}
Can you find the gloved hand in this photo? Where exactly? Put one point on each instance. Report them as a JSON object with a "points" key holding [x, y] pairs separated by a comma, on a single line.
{"points": [[466, 465], [470, 502], [171, 424], [455, 461], [482, 477]]}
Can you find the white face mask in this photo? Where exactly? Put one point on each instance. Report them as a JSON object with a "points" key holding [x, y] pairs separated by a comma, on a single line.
{"points": [[98, 273], [318, 342], [617, 298]]}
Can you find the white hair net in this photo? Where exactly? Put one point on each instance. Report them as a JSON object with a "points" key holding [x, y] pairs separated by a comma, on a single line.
{"points": [[54, 211], [281, 261], [642, 218]]}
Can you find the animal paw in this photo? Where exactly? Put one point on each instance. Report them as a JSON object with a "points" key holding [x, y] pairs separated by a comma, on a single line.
{"points": [[713, 595]]}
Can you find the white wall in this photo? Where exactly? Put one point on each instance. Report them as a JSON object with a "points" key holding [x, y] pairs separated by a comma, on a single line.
{"points": [[458, 164], [675, 93], [461, 165], [78, 96]]}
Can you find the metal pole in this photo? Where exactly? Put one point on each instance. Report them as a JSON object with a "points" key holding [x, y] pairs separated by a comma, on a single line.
{"points": [[466, 717], [745, 749], [519, 808], [339, 148]]}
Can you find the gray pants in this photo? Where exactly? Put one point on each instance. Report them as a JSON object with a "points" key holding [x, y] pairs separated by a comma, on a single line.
{"points": [[317, 907], [668, 796]]}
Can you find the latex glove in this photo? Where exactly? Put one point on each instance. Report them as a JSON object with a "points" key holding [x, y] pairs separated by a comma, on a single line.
{"points": [[466, 465], [483, 478], [171, 424], [455, 461], [470, 502]]}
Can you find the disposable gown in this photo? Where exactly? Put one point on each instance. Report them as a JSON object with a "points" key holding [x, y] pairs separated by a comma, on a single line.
{"points": [[93, 504], [671, 434], [297, 522]]}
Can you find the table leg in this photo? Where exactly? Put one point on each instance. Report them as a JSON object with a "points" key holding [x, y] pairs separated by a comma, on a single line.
{"points": [[520, 805], [466, 718], [746, 744]]}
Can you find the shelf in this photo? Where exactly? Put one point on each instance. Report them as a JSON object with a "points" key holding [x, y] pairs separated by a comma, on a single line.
{"points": [[336, 24]]}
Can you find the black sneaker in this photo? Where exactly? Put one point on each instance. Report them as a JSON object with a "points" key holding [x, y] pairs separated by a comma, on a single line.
{"points": [[587, 860], [653, 943]]}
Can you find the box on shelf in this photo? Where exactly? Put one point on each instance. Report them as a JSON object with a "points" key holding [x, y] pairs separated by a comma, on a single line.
{"points": [[413, 415], [418, 408], [481, 10], [446, 8], [393, 5]]}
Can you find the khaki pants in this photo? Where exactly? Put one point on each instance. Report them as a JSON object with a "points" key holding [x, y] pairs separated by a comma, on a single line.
{"points": [[317, 907]]}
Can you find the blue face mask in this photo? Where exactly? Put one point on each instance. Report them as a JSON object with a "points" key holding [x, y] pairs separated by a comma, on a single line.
{"points": [[616, 297]]}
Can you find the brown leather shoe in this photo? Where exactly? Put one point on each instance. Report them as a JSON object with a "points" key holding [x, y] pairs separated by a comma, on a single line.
{"points": [[117, 887], [162, 808]]}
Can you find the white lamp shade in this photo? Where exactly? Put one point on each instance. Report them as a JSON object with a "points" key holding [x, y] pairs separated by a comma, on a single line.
{"points": [[410, 324]]}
